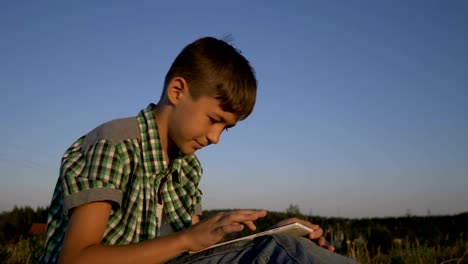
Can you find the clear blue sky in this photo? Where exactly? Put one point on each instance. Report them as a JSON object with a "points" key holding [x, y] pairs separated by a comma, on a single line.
{"points": [[362, 106]]}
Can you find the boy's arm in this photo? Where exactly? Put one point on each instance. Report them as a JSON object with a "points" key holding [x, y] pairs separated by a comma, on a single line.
{"points": [[195, 219], [86, 228], [88, 222]]}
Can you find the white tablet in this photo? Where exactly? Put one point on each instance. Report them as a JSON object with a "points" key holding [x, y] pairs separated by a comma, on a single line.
{"points": [[294, 229]]}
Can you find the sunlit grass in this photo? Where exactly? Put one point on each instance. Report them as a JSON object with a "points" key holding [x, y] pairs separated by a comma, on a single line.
{"points": [[28, 250], [410, 252]]}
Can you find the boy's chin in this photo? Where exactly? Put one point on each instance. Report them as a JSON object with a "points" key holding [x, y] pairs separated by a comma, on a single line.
{"points": [[189, 147], [188, 150]]}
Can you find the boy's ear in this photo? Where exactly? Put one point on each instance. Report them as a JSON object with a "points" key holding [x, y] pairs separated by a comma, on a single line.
{"points": [[177, 89]]}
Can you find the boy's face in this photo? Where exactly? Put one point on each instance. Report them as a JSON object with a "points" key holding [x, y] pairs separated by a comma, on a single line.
{"points": [[195, 124]]}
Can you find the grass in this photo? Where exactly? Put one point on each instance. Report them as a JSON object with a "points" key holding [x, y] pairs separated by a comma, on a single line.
{"points": [[410, 252], [24, 251], [27, 250]]}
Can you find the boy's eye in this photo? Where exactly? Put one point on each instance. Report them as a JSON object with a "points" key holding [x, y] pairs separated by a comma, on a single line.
{"points": [[212, 120], [216, 121]]}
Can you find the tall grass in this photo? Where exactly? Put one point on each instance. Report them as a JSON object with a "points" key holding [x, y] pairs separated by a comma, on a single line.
{"points": [[27, 250], [24, 251], [410, 252]]}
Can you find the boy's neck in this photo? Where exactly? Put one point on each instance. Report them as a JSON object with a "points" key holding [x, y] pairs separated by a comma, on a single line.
{"points": [[161, 114]]}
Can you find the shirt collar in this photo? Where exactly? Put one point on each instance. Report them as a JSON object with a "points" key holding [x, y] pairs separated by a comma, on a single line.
{"points": [[151, 143]]}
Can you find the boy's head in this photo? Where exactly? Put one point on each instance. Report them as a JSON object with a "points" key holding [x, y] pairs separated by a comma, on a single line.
{"points": [[213, 68], [209, 87]]}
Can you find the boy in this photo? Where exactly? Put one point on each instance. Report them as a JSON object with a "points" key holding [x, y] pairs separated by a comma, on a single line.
{"points": [[128, 190]]}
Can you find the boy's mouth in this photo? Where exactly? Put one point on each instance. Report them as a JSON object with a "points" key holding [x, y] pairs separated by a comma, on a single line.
{"points": [[198, 145]]}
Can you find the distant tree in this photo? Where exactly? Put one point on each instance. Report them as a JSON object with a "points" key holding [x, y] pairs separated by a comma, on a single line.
{"points": [[293, 211], [16, 223], [408, 213], [378, 232]]}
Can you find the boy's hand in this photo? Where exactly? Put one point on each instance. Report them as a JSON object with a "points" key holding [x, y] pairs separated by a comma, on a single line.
{"points": [[316, 236], [210, 231]]}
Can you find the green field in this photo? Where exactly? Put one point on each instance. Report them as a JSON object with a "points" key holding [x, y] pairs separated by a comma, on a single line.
{"points": [[409, 239]]}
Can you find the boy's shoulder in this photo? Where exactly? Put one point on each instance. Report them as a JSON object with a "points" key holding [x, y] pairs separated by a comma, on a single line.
{"points": [[114, 131]]}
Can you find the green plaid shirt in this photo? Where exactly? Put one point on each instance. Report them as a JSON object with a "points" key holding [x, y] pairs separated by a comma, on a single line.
{"points": [[125, 168]]}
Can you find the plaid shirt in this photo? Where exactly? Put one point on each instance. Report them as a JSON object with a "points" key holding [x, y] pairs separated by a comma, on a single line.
{"points": [[127, 171]]}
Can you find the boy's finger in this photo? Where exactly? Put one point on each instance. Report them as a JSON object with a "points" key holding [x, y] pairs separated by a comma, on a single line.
{"points": [[235, 217], [250, 225], [226, 229], [316, 234], [258, 213], [322, 242]]}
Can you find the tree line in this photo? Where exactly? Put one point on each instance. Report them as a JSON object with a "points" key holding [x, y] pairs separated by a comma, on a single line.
{"points": [[378, 233], [16, 223]]}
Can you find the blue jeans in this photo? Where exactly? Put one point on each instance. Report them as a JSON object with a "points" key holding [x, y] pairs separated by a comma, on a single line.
{"points": [[266, 249]]}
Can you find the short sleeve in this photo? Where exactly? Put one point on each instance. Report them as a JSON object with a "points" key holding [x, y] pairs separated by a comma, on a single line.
{"points": [[91, 175]]}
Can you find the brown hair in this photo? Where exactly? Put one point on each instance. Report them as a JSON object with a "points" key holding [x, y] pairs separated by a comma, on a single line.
{"points": [[214, 68]]}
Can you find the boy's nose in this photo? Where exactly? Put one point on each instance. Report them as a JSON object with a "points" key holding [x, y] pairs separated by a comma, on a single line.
{"points": [[213, 136]]}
